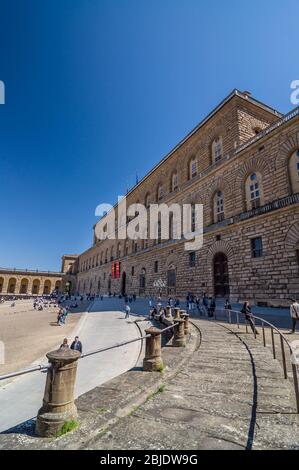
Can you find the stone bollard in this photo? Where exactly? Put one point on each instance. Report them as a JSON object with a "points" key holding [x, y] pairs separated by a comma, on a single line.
{"points": [[177, 313], [168, 312], [58, 402], [153, 360], [186, 325], [179, 339]]}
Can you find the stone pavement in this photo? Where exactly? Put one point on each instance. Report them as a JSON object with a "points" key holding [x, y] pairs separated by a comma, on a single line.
{"points": [[21, 398], [28, 334], [228, 393]]}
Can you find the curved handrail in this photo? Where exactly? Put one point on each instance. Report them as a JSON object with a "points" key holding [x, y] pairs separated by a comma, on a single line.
{"points": [[271, 326], [283, 340]]}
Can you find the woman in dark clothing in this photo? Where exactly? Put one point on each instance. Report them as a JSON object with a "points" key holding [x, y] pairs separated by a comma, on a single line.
{"points": [[246, 309], [212, 307]]}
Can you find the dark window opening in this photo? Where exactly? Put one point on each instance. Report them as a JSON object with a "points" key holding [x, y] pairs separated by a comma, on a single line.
{"points": [[257, 247]]}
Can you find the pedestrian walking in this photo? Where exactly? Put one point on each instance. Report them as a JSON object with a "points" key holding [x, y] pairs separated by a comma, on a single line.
{"points": [[294, 312], [212, 308], [246, 309], [127, 310]]}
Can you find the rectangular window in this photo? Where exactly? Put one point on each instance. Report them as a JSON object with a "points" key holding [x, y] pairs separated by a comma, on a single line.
{"points": [[192, 259], [193, 169], [156, 266], [218, 151], [256, 247], [159, 232], [255, 203]]}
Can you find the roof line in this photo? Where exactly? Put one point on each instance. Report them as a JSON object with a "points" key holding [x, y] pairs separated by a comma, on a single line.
{"points": [[235, 92]]}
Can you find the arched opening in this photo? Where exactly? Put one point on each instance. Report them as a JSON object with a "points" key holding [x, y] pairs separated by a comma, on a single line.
{"points": [[171, 280], [109, 283], [254, 191], [218, 207], [123, 283], [99, 285], [12, 285], [221, 278], [35, 286], [57, 285], [47, 287], [142, 281], [1, 283], [24, 286], [294, 171]]}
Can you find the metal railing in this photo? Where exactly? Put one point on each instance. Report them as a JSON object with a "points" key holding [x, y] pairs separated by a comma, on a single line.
{"points": [[42, 367], [234, 314]]}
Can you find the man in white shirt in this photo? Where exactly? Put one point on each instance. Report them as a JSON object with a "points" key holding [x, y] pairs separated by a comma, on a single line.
{"points": [[294, 311], [127, 310]]}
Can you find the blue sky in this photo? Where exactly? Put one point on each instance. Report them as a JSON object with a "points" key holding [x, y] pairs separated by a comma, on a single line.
{"points": [[97, 90]]}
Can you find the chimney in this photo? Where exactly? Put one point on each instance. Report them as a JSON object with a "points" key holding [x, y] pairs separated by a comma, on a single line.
{"points": [[247, 94]]}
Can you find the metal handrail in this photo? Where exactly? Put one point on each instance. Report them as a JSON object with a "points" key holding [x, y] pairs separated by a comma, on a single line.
{"points": [[41, 367], [283, 340]]}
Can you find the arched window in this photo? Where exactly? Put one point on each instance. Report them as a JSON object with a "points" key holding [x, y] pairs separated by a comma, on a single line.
{"points": [[294, 171], [254, 191], [218, 207], [160, 192], [101, 260], [112, 254], [106, 256], [192, 168], [217, 150], [118, 250], [174, 182]]}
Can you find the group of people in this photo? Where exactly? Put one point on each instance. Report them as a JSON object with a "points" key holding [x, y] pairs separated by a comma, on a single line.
{"points": [[76, 344], [62, 314]]}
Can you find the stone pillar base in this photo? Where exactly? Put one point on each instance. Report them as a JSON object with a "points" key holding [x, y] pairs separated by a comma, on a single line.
{"points": [[179, 339], [50, 424], [153, 365]]}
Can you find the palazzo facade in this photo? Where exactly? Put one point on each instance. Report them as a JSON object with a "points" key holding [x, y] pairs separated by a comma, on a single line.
{"points": [[242, 163]]}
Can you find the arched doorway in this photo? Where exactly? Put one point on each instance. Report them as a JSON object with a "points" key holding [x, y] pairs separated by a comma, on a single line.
{"points": [[142, 282], [12, 285], [24, 286], [123, 283], [47, 287], [57, 285], [1, 284], [109, 284], [35, 286], [221, 278]]}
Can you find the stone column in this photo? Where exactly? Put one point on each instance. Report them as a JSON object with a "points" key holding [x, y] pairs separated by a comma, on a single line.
{"points": [[179, 339], [177, 313], [58, 402], [153, 360], [186, 317], [168, 311]]}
